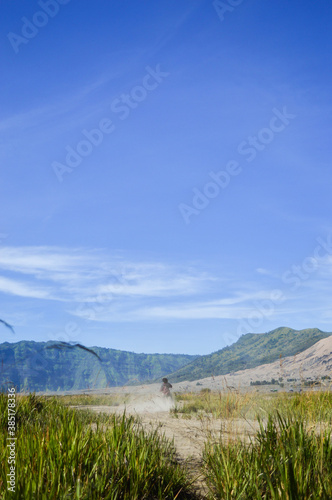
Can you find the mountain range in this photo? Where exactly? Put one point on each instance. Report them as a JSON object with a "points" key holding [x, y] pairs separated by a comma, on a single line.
{"points": [[53, 366]]}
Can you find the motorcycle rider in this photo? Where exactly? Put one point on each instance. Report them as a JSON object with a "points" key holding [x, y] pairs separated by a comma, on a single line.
{"points": [[165, 387]]}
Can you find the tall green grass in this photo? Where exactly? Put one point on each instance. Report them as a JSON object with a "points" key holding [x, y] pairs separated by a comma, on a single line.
{"points": [[284, 461], [218, 404], [311, 405], [64, 453], [67, 454]]}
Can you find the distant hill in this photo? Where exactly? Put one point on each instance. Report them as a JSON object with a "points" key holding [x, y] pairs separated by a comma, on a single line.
{"points": [[42, 366], [251, 350], [312, 364]]}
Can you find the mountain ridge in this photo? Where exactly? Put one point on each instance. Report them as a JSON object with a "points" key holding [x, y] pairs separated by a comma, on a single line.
{"points": [[249, 351], [52, 366], [42, 366]]}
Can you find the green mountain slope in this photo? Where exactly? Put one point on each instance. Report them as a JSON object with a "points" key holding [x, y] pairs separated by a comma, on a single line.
{"points": [[250, 350], [39, 366]]}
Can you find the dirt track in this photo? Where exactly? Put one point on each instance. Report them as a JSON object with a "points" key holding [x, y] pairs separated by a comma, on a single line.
{"points": [[189, 434]]}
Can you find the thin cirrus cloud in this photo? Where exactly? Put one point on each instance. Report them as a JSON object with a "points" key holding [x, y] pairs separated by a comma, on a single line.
{"points": [[43, 262], [54, 108], [122, 290], [76, 275], [25, 118], [233, 307], [14, 287]]}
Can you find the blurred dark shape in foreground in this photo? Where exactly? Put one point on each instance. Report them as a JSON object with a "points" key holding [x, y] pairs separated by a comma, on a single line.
{"points": [[66, 345], [7, 325]]}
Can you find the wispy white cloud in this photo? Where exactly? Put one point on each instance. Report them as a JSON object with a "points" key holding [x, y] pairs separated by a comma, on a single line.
{"points": [[232, 307], [43, 259], [106, 288], [77, 275], [262, 270], [13, 287]]}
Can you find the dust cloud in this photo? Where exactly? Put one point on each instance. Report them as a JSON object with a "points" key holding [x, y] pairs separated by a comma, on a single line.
{"points": [[147, 403]]}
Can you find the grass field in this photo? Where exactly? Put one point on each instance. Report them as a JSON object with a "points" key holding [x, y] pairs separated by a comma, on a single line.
{"points": [[285, 460], [68, 454], [310, 405], [64, 453]]}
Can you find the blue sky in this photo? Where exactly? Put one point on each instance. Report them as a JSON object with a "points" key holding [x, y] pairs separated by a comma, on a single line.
{"points": [[165, 171]]}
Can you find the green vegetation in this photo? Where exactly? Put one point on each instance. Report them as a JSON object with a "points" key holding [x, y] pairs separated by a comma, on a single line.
{"points": [[273, 381], [283, 461], [77, 454], [46, 366], [290, 457], [41, 366], [70, 454], [310, 405], [249, 351], [217, 405]]}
